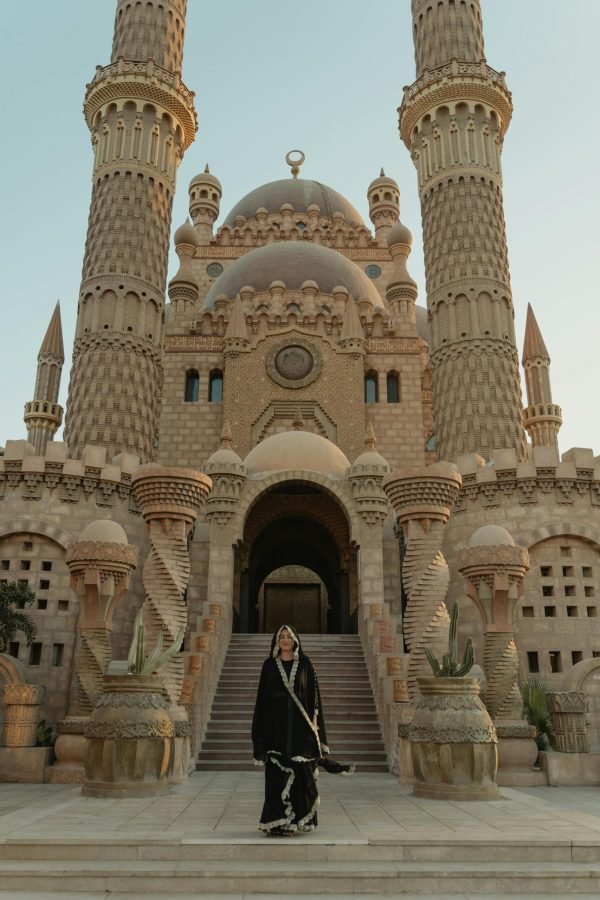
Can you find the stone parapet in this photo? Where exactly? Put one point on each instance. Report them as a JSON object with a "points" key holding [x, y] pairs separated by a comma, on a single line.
{"points": [[69, 480], [543, 479]]}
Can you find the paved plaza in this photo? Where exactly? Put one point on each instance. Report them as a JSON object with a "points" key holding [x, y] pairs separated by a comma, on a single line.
{"points": [[366, 812]]}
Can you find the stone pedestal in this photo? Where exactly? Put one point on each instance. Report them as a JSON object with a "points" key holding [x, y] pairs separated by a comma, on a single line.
{"points": [[517, 754], [22, 714], [568, 710], [69, 750]]}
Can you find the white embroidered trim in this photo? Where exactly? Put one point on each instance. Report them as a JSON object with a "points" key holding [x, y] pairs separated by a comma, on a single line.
{"points": [[285, 796], [290, 688]]}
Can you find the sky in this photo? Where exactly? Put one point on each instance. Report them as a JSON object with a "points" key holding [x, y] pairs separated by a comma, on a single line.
{"points": [[325, 78]]}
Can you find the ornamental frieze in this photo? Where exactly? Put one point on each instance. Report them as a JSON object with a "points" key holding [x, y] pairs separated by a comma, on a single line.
{"points": [[191, 343]]}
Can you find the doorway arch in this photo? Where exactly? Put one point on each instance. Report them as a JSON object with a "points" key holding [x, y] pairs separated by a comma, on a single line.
{"points": [[297, 523]]}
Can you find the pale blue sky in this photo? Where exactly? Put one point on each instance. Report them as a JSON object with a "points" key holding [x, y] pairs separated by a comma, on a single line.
{"points": [[325, 77]]}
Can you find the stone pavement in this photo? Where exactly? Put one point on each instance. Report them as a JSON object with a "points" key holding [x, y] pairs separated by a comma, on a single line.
{"points": [[217, 810]]}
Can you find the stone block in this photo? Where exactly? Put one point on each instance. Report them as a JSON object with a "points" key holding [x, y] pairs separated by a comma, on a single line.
{"points": [[566, 470], [469, 463], [526, 470], [74, 467], [571, 769], [56, 451], [505, 459], [545, 457], [581, 457], [94, 457], [111, 473], [34, 464], [127, 462], [24, 765], [14, 450]]}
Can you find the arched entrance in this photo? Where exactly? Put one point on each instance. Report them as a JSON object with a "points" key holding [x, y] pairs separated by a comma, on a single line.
{"points": [[296, 524]]}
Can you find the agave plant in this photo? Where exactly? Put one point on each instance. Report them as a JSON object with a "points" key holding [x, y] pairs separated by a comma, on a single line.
{"points": [[535, 706], [140, 663], [451, 666]]}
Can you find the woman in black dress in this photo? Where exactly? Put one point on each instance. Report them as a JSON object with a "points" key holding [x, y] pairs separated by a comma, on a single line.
{"points": [[288, 736]]}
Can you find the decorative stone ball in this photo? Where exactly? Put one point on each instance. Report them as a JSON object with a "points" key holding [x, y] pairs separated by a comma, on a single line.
{"points": [[104, 530], [491, 536]]}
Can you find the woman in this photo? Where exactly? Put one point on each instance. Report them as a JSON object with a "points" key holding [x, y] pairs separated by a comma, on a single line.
{"points": [[288, 735]]}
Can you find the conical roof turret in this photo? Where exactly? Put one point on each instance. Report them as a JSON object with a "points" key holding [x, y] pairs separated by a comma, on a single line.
{"points": [[52, 344], [533, 345]]}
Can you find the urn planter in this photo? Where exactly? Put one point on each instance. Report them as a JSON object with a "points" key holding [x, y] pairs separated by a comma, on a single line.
{"points": [[129, 739], [453, 742]]}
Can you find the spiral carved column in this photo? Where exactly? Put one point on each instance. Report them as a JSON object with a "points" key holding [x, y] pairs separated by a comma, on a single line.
{"points": [[170, 499], [493, 569], [423, 500], [101, 564]]}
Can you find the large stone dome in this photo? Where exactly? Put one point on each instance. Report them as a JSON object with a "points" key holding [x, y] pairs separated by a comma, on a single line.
{"points": [[297, 450], [293, 262], [300, 193]]}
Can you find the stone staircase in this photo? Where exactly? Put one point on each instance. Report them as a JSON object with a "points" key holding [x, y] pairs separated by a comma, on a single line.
{"points": [[353, 729]]}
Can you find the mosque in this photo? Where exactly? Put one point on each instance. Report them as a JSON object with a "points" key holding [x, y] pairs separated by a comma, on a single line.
{"points": [[290, 360]]}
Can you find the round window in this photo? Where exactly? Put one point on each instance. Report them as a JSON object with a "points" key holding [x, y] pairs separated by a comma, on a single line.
{"points": [[373, 271], [214, 270], [294, 362]]}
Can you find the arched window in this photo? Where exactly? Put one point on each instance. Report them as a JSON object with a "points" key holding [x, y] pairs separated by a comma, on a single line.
{"points": [[393, 387], [215, 386], [371, 388], [192, 386]]}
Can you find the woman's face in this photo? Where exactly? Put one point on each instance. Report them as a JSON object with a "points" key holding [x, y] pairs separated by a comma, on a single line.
{"points": [[286, 641]]}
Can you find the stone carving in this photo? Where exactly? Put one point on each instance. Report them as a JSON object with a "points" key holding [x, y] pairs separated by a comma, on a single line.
{"points": [[22, 714], [453, 741], [422, 500], [568, 710], [170, 499], [294, 364]]}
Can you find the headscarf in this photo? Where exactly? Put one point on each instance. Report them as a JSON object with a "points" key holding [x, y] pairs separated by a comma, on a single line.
{"points": [[275, 642]]}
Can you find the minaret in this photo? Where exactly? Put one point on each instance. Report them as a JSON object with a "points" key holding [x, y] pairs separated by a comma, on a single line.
{"points": [[142, 119], [205, 199], [542, 417], [43, 415], [383, 195], [453, 120]]}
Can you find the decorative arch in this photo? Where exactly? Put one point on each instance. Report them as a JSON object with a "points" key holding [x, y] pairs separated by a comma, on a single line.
{"points": [[30, 525], [11, 670], [557, 529]]}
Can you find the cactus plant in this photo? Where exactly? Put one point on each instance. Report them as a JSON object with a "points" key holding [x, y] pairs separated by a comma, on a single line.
{"points": [[450, 666], [138, 663]]}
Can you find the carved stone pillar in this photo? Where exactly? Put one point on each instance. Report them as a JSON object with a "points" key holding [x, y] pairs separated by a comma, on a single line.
{"points": [[170, 499], [423, 500], [22, 714], [568, 710], [101, 563], [493, 569]]}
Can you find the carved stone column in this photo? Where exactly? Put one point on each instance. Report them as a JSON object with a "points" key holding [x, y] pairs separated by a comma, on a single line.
{"points": [[568, 710], [22, 714], [170, 499], [423, 500], [493, 569], [101, 563]]}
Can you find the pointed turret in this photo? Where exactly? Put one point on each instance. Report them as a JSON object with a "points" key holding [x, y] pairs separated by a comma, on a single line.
{"points": [[401, 290], [43, 415], [383, 195], [352, 336], [542, 417], [205, 193], [236, 334]]}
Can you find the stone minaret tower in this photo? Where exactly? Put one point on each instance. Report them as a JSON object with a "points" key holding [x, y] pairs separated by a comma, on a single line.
{"points": [[453, 120], [142, 119], [43, 415], [542, 417]]}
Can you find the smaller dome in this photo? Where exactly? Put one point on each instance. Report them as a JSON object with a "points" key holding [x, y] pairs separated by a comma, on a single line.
{"points": [[297, 450], [205, 178], [491, 536], [399, 234], [224, 456], [383, 181], [371, 458], [186, 234], [104, 530]]}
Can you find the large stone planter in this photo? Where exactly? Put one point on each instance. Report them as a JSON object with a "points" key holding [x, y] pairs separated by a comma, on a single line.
{"points": [[129, 739], [453, 742]]}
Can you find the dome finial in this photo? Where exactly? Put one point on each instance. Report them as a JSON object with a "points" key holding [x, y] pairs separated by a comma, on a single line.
{"points": [[226, 437], [382, 173], [370, 440], [298, 423], [295, 163], [206, 169]]}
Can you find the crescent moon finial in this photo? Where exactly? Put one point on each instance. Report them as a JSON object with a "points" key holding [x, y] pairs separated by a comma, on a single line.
{"points": [[296, 162]]}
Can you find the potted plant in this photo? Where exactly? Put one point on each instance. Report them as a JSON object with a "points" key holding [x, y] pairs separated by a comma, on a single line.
{"points": [[130, 734], [453, 740]]}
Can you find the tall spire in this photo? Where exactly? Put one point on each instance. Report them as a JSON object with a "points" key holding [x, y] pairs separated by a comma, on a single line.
{"points": [[453, 120], [542, 417], [43, 415], [142, 119]]}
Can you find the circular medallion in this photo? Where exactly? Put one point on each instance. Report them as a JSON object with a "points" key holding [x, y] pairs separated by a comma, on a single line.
{"points": [[214, 269], [294, 362], [372, 271]]}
